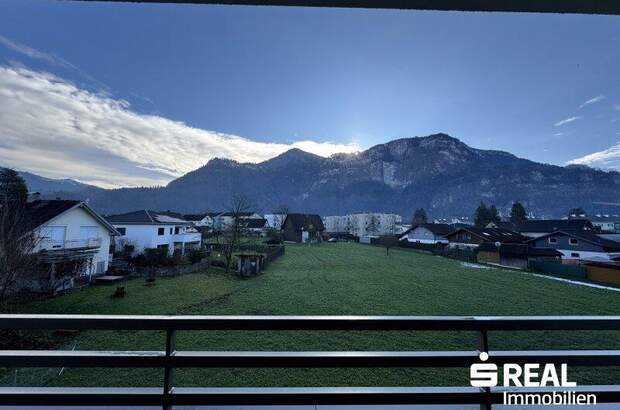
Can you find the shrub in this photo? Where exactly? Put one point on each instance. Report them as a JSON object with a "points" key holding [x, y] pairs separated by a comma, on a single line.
{"points": [[152, 257], [196, 255]]}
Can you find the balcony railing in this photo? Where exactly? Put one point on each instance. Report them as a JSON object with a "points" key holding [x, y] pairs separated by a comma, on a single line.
{"points": [[170, 358], [51, 245], [187, 237]]}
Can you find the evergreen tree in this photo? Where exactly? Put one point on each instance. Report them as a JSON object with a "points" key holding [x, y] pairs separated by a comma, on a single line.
{"points": [[485, 215], [493, 215], [419, 217], [481, 215], [518, 215], [13, 189]]}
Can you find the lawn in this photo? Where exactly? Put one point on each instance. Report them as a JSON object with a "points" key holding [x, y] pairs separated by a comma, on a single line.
{"points": [[332, 279]]}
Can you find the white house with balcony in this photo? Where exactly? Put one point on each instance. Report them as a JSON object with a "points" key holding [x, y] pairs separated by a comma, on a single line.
{"points": [[151, 229], [70, 231]]}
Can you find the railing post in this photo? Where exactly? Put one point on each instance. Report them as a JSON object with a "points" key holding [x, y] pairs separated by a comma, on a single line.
{"points": [[483, 346], [168, 369]]}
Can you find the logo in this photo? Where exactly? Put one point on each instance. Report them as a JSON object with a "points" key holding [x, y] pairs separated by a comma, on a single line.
{"points": [[486, 375]]}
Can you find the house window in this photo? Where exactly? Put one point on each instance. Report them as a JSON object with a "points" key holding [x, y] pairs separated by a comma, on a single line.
{"points": [[553, 240], [122, 231], [574, 255], [170, 231], [88, 232], [573, 241], [176, 230], [160, 231]]}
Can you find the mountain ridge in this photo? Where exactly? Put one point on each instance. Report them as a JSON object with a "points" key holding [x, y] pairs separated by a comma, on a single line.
{"points": [[438, 172]]}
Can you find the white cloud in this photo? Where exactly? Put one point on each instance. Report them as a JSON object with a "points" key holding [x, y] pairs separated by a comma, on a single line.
{"points": [[592, 101], [34, 53], [51, 127], [567, 120], [608, 159]]}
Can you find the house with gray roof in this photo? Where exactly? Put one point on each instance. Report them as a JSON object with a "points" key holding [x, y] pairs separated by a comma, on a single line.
{"points": [[152, 229], [579, 245], [428, 233], [534, 228]]}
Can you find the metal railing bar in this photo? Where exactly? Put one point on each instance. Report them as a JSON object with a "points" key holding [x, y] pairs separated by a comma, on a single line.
{"points": [[263, 359], [171, 340], [77, 358], [299, 323], [80, 396]]}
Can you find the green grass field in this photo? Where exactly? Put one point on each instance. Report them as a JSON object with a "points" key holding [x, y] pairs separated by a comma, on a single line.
{"points": [[332, 279]]}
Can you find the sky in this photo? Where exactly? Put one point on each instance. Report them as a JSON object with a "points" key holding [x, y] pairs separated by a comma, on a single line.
{"points": [[136, 95]]}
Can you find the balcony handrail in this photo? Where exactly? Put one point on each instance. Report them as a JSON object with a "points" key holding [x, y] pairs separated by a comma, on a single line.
{"points": [[171, 358], [48, 244], [312, 322]]}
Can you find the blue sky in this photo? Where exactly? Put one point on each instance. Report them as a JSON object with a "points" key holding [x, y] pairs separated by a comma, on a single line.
{"points": [[95, 84]]}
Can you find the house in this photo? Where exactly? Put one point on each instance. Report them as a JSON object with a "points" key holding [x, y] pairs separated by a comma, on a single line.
{"points": [[257, 226], [428, 233], [579, 245], [515, 255], [535, 228], [606, 223], [471, 237], [337, 224], [369, 224], [302, 228], [206, 219], [225, 219], [70, 231], [274, 221], [150, 229], [503, 224]]}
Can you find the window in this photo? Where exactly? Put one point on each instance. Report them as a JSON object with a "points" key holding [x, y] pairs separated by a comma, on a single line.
{"points": [[55, 235], [170, 231], [89, 232], [176, 230], [553, 240], [574, 255], [573, 241], [160, 231], [122, 231]]}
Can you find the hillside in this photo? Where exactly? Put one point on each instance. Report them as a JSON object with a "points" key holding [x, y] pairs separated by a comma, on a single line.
{"points": [[438, 172]]}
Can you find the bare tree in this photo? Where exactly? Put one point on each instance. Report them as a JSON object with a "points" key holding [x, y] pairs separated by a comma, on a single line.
{"points": [[233, 231], [280, 215]]}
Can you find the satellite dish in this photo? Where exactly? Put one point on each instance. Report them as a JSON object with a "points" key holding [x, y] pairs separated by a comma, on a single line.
{"points": [[498, 244]]}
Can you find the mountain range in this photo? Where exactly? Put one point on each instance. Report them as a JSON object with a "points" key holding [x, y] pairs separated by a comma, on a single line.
{"points": [[45, 185], [438, 172]]}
